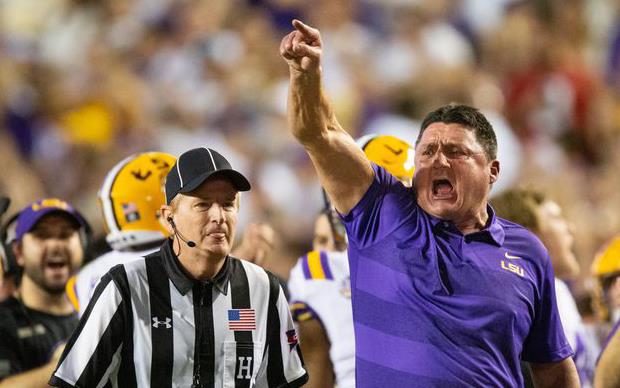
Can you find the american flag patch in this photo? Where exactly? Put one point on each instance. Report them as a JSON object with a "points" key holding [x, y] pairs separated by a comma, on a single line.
{"points": [[291, 336], [241, 319], [130, 210]]}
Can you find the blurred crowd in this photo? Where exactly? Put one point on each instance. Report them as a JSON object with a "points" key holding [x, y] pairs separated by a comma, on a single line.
{"points": [[84, 83]]}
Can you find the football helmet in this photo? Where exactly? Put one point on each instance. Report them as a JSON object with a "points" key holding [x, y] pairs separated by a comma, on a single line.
{"points": [[391, 153], [607, 260], [130, 198], [606, 268]]}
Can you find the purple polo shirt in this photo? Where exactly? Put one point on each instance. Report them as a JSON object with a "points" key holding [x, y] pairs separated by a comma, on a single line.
{"points": [[434, 308]]}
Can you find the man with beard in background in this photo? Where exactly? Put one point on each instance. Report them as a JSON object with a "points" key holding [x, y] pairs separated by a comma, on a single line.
{"points": [[37, 320]]}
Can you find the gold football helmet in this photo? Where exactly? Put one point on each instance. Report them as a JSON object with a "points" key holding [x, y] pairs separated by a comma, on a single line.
{"points": [[607, 260], [391, 153], [130, 198], [606, 268]]}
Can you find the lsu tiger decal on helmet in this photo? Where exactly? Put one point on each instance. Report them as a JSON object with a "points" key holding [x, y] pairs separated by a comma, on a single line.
{"points": [[391, 153], [130, 198]]}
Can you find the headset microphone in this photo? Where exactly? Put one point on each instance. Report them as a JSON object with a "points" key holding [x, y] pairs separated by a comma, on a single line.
{"points": [[189, 243]]}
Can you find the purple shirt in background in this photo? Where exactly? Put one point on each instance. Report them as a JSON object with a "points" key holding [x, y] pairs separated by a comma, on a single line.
{"points": [[434, 308]]}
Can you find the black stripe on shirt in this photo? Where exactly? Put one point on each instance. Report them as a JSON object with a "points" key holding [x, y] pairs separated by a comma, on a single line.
{"points": [[119, 331], [103, 283], [127, 372], [162, 353], [275, 368], [204, 347], [240, 299], [108, 344]]}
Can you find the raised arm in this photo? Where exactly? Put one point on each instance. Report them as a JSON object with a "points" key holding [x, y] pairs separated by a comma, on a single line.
{"points": [[343, 169]]}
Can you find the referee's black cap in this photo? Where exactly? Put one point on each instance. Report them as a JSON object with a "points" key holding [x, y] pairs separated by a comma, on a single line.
{"points": [[194, 167]]}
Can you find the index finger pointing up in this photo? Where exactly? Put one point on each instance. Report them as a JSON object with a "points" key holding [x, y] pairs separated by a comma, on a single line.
{"points": [[305, 29]]}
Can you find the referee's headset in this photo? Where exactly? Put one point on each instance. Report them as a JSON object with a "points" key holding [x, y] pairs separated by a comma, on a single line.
{"points": [[10, 267], [189, 243]]}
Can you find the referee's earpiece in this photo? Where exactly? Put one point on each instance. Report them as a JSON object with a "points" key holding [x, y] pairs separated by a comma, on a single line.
{"points": [[189, 243]]}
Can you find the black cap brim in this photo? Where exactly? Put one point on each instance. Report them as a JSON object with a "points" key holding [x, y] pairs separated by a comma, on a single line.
{"points": [[236, 178]]}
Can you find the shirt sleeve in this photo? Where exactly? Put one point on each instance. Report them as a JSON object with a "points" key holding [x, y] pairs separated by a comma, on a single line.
{"points": [[284, 360], [86, 282], [386, 204], [91, 355], [300, 309], [10, 363], [546, 341]]}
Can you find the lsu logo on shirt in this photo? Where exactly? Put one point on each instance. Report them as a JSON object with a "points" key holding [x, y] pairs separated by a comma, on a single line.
{"points": [[509, 265], [513, 268]]}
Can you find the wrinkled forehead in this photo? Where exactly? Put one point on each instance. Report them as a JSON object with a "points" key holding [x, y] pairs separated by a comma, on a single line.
{"points": [[449, 134]]}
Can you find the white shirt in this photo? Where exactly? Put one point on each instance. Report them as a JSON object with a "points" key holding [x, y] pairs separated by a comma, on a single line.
{"points": [[319, 286]]}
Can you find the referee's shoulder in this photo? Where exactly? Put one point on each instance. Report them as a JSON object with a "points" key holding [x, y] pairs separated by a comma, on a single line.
{"points": [[133, 267], [259, 275]]}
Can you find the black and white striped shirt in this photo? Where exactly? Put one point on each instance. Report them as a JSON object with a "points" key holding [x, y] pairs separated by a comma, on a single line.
{"points": [[149, 325]]}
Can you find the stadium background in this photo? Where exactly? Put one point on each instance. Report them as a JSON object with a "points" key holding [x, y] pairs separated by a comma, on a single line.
{"points": [[84, 83]]}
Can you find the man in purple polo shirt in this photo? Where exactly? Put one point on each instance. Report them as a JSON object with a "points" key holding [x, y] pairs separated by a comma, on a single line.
{"points": [[445, 294]]}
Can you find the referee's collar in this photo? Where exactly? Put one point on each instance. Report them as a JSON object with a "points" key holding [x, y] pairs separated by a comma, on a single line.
{"points": [[183, 282]]}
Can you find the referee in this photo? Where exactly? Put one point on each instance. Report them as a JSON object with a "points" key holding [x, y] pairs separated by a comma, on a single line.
{"points": [[189, 314]]}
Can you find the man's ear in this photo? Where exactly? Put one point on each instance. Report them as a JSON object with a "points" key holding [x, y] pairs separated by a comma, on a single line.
{"points": [[17, 248], [164, 220], [494, 172]]}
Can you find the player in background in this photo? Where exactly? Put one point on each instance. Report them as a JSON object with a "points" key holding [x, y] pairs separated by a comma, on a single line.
{"points": [[320, 283], [130, 198]]}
